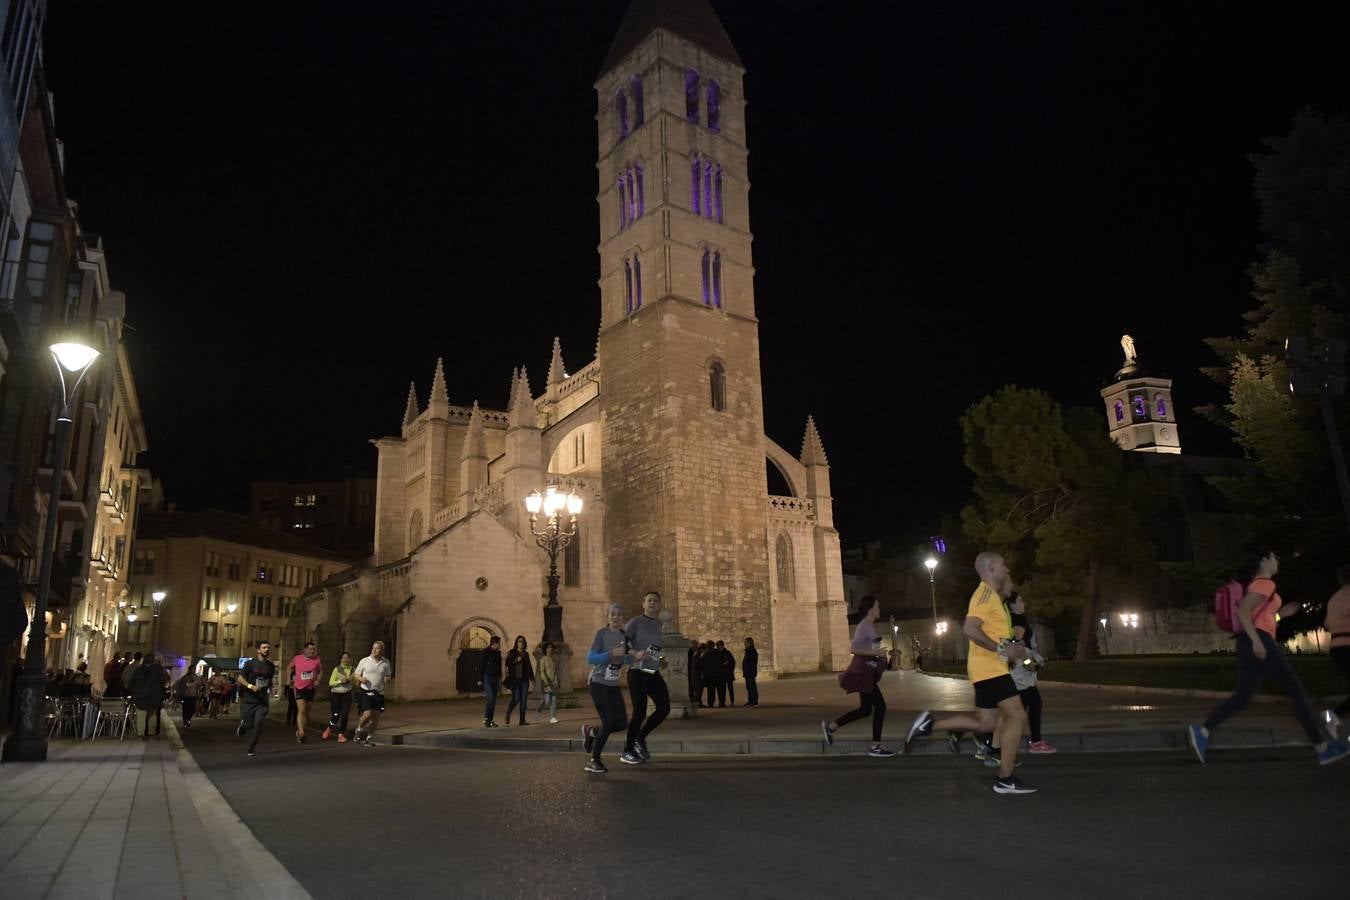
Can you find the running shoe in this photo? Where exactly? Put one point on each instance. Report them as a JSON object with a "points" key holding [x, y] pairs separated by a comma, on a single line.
{"points": [[1042, 747], [1013, 785], [1198, 740], [299, 737], [253, 753], [1335, 752], [1333, 724], [342, 739], [327, 733], [489, 724], [588, 737], [983, 749], [640, 746], [881, 751], [595, 767], [369, 741], [630, 758], [553, 720], [922, 727], [954, 741], [357, 736], [828, 730]]}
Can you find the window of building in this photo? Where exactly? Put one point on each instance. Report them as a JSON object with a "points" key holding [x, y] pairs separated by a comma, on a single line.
{"points": [[714, 106], [119, 552], [707, 188], [208, 632], [695, 182], [41, 236], [717, 279], [621, 186], [635, 193], [639, 113], [1140, 406], [1120, 411], [212, 564], [717, 188], [717, 381], [691, 96], [783, 557], [231, 635], [234, 569], [210, 598], [621, 114], [707, 277], [144, 563], [637, 282], [260, 605], [572, 561], [135, 632], [1160, 404], [415, 529], [266, 573], [579, 449]]}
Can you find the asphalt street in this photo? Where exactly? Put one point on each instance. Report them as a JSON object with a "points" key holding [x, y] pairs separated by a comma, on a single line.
{"points": [[348, 821]]}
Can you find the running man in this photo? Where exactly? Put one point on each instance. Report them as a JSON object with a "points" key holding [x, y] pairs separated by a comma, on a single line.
{"points": [[255, 683], [370, 675], [998, 708], [644, 679], [302, 675]]}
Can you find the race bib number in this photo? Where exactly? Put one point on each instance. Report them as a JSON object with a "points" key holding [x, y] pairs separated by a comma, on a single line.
{"points": [[306, 676]]}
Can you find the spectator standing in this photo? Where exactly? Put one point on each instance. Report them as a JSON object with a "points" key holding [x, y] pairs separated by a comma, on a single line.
{"points": [[130, 669], [519, 674], [728, 671], [548, 682], [750, 671], [712, 676], [490, 679], [696, 673], [147, 692], [112, 677]]}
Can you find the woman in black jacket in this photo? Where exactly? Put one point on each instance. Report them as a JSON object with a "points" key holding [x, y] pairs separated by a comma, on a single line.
{"points": [[490, 678], [147, 692], [519, 674]]}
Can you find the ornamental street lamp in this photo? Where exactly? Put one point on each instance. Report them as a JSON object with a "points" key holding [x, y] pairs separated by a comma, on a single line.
{"points": [[1106, 648], [931, 563], [29, 741], [553, 539], [158, 599], [1130, 621]]}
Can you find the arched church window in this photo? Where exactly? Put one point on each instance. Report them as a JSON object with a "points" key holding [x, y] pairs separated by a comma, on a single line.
{"points": [[717, 185], [717, 279], [621, 114], [415, 529], [714, 106], [637, 187], [717, 384], [637, 282], [1120, 411], [623, 203], [1140, 406], [691, 96], [572, 561], [707, 277], [627, 286], [707, 188], [783, 559], [1160, 404], [695, 180], [639, 112]]}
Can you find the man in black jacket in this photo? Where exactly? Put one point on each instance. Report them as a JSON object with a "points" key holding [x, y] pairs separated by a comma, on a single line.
{"points": [[490, 679], [712, 675], [750, 671], [728, 671]]}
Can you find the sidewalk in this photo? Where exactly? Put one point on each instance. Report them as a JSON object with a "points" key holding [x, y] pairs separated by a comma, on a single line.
{"points": [[1077, 718], [127, 819]]}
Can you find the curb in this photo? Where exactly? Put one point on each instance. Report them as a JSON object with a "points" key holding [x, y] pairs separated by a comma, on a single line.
{"points": [[1073, 742], [261, 872], [1134, 689]]}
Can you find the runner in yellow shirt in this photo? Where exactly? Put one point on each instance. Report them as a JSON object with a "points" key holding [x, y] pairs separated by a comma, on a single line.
{"points": [[988, 627]]}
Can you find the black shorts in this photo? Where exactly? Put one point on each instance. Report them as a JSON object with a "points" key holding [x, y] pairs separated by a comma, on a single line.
{"points": [[990, 692], [374, 700], [306, 694]]}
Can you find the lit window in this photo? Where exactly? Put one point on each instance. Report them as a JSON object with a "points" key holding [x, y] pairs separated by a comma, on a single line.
{"points": [[637, 283], [691, 96], [1120, 411], [718, 186], [695, 180], [1140, 406], [714, 106], [627, 286], [623, 204], [1160, 404], [621, 114], [707, 277], [707, 188], [717, 280]]}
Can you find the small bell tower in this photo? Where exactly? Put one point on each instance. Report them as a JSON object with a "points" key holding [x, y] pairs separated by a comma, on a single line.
{"points": [[1140, 415]]}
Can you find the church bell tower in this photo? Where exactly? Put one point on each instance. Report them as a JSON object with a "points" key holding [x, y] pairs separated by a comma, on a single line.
{"points": [[682, 408]]}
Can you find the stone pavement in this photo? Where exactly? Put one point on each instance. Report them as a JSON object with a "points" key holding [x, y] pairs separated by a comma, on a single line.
{"points": [[127, 819], [1077, 718]]}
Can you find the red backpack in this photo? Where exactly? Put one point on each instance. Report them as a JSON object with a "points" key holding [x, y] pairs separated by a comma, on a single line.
{"points": [[1226, 601]]}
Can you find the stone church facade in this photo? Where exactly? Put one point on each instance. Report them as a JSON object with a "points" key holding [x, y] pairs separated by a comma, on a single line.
{"points": [[661, 433]]}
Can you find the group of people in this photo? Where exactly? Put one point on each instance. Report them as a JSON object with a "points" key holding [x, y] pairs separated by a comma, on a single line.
{"points": [[519, 675], [712, 668]]}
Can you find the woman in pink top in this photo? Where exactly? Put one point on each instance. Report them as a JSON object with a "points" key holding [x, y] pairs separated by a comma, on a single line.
{"points": [[303, 676], [1338, 623], [1259, 656]]}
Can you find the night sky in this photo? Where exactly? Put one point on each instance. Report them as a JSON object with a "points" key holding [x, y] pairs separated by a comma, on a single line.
{"points": [[306, 204]]}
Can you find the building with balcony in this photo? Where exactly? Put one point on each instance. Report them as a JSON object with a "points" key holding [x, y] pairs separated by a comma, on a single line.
{"points": [[335, 515]]}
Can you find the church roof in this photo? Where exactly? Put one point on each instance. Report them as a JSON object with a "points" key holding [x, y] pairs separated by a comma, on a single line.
{"points": [[693, 20]]}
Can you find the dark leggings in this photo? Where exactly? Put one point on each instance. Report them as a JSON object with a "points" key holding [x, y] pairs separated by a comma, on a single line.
{"points": [[189, 708], [253, 716], [1031, 700], [872, 703], [642, 685], [1341, 657], [340, 706], [613, 717], [1249, 673]]}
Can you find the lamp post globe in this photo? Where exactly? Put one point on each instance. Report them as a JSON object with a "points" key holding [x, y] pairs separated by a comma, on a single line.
{"points": [[553, 538], [28, 743]]}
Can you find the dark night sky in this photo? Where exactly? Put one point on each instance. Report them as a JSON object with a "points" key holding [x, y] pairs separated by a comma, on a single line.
{"points": [[306, 204]]}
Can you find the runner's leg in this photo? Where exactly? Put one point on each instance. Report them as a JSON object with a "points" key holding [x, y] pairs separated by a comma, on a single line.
{"points": [[1031, 699], [658, 691], [1283, 674], [637, 690], [1249, 671], [1012, 724]]}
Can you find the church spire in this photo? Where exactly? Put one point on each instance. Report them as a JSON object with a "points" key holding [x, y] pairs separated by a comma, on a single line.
{"points": [[439, 404], [813, 451], [521, 410], [556, 370], [475, 441], [693, 20], [410, 411]]}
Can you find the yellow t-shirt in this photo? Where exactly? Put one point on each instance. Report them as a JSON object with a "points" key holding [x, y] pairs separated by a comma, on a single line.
{"points": [[987, 606]]}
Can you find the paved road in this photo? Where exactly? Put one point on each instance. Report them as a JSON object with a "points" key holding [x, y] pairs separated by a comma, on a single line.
{"points": [[501, 825]]}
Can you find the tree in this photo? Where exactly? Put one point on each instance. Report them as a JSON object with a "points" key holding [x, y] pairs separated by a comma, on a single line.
{"points": [[1057, 497]]}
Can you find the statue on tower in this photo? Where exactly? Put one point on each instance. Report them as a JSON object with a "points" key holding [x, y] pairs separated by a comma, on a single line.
{"points": [[1127, 344]]}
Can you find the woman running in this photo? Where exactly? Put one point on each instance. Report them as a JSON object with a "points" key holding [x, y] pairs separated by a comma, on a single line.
{"points": [[866, 649], [607, 657]]}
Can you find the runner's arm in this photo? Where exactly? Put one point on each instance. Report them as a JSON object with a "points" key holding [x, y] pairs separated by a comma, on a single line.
{"points": [[973, 629]]}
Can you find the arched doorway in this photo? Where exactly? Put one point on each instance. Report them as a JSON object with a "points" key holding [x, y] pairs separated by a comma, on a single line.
{"points": [[473, 641]]}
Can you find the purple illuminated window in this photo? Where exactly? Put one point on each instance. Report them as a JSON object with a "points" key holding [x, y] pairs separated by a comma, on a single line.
{"points": [[1160, 403], [691, 95], [632, 196], [707, 277], [1120, 411], [717, 280], [714, 106], [694, 178], [718, 188], [641, 194], [639, 114], [627, 286], [623, 204], [707, 188], [637, 283], [621, 114], [1140, 406]]}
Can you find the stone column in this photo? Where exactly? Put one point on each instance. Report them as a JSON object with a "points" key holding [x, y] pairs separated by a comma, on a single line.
{"points": [[675, 648]]}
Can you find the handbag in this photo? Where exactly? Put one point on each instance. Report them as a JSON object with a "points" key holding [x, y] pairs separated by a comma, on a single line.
{"points": [[858, 678]]}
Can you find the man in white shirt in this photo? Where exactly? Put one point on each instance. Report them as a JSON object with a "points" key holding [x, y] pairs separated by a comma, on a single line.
{"points": [[369, 677]]}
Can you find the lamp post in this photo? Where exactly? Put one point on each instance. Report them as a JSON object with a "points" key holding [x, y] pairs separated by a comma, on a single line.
{"points": [[553, 539], [1106, 647], [158, 599], [940, 630], [28, 743], [1131, 621], [931, 564]]}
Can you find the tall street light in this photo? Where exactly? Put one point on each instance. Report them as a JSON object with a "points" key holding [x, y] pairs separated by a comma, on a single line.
{"points": [[553, 539], [931, 563], [28, 743], [1106, 647], [158, 599]]}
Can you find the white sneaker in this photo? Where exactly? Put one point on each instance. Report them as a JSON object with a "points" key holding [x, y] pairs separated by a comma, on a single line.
{"points": [[1333, 724], [553, 720]]}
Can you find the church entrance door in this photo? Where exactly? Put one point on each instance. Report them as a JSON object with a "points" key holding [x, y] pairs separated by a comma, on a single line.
{"points": [[471, 648]]}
